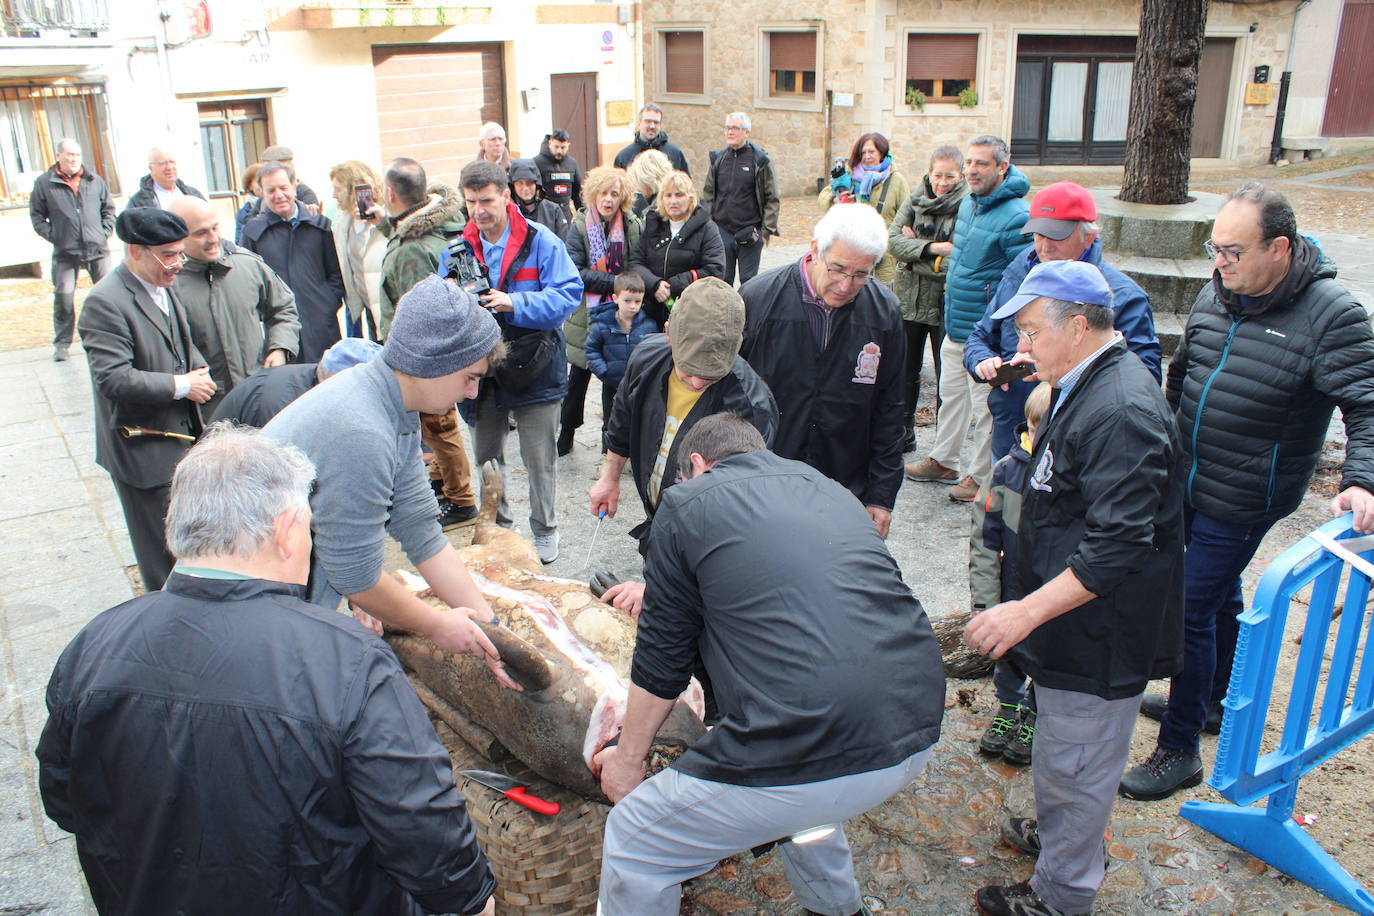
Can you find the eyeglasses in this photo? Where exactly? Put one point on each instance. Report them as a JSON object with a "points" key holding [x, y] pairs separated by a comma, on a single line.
{"points": [[860, 277], [1028, 336], [179, 259], [730, 127], [1229, 255]]}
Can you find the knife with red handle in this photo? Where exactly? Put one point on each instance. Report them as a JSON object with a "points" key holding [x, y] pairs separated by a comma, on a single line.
{"points": [[513, 790]]}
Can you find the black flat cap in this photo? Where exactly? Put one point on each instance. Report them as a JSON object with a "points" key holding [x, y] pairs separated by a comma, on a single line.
{"points": [[150, 226]]}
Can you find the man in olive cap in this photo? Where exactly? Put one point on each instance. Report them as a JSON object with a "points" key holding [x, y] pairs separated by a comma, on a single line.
{"points": [[149, 378], [673, 380], [362, 433]]}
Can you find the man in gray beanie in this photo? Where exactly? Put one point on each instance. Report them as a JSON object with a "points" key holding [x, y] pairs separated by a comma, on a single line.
{"points": [[362, 431]]}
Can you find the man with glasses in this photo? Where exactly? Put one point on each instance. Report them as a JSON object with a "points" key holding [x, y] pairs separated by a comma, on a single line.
{"points": [[161, 185], [649, 134], [829, 343], [741, 195], [148, 377], [1273, 345]]}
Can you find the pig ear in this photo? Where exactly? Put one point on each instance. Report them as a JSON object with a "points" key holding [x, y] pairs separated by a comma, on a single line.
{"points": [[522, 660]]}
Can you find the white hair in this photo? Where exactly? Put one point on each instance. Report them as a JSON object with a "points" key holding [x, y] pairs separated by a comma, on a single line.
{"points": [[857, 225], [1089, 227], [741, 117], [68, 142], [229, 489], [490, 128]]}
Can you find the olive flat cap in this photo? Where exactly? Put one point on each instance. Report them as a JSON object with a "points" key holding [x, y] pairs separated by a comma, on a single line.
{"points": [[149, 226]]}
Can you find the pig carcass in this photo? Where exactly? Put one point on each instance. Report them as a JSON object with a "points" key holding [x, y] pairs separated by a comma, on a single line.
{"points": [[570, 652]]}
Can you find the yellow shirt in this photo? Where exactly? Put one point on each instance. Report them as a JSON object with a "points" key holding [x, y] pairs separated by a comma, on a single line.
{"points": [[681, 400]]}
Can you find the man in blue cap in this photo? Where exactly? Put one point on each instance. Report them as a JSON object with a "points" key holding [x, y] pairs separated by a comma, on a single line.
{"points": [[1101, 565]]}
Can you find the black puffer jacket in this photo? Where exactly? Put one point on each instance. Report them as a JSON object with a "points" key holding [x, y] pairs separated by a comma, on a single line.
{"points": [[78, 224], [145, 196], [1254, 385], [695, 252]]}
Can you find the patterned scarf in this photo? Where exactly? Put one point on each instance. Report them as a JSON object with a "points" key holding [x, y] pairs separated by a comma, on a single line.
{"points": [[869, 178], [606, 254]]}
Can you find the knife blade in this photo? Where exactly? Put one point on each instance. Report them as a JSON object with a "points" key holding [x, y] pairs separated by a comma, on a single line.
{"points": [[513, 790], [600, 517]]}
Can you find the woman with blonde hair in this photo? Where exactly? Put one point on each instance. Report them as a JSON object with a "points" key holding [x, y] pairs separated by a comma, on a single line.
{"points": [[679, 245], [646, 172], [602, 240], [360, 241]]}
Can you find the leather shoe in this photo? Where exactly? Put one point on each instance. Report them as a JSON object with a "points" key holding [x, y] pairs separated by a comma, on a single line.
{"points": [[1161, 775]]}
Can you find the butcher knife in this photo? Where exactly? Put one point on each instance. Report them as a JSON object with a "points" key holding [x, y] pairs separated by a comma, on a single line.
{"points": [[512, 790]]}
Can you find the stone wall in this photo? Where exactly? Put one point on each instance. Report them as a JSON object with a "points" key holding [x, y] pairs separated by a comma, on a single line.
{"points": [[863, 55]]}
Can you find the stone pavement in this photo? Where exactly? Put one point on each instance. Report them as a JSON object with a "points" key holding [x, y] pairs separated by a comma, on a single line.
{"points": [[66, 552]]}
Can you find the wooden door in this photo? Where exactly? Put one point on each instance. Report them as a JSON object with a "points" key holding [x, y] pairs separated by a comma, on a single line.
{"points": [[1349, 104], [574, 110], [1213, 91]]}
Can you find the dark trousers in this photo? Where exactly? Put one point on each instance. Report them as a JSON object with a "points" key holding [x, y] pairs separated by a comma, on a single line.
{"points": [[571, 416], [64, 271], [746, 257], [145, 515], [1216, 555], [1008, 409], [608, 390], [916, 336]]}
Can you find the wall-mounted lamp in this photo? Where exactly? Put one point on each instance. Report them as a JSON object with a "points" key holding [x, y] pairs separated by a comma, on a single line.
{"points": [[531, 98]]}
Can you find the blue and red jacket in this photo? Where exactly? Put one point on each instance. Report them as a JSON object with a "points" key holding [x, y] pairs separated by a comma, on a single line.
{"points": [[545, 288]]}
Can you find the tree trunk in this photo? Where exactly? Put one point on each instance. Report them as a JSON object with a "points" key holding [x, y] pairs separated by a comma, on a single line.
{"points": [[1159, 132]]}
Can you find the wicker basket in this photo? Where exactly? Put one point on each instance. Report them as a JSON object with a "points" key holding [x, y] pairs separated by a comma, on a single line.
{"points": [[545, 866]]}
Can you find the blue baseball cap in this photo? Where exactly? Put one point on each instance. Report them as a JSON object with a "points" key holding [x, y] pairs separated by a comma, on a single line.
{"points": [[1071, 281], [349, 352]]}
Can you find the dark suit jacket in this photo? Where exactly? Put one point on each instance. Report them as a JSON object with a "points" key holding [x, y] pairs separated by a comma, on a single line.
{"points": [[133, 356]]}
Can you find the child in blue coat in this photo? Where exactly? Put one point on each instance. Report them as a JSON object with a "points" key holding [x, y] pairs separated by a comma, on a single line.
{"points": [[615, 329]]}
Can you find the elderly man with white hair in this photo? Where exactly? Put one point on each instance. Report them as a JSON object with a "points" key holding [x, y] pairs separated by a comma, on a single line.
{"points": [[491, 145], [828, 340], [161, 185], [224, 746], [741, 196]]}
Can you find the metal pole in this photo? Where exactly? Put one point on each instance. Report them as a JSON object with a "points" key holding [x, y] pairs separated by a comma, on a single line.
{"points": [[1276, 142]]}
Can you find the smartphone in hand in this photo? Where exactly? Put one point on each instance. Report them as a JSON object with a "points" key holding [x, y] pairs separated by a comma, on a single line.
{"points": [[1011, 372], [366, 200]]}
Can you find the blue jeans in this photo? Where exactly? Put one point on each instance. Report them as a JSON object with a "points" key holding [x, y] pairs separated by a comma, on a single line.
{"points": [[1008, 412], [1217, 553]]}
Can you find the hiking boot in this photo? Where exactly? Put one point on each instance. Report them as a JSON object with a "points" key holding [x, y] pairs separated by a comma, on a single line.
{"points": [[965, 490], [1013, 900], [452, 515], [565, 442], [930, 469], [909, 440], [1161, 775], [1001, 730], [546, 545], [1018, 750], [1154, 704], [1023, 835]]}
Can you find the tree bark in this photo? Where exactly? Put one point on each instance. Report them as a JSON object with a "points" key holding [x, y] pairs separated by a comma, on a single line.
{"points": [[1159, 131], [960, 661]]}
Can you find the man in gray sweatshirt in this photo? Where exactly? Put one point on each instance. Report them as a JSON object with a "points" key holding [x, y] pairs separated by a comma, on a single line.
{"points": [[361, 429]]}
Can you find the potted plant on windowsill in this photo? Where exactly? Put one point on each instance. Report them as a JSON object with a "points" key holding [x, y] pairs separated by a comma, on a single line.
{"points": [[968, 98], [915, 98]]}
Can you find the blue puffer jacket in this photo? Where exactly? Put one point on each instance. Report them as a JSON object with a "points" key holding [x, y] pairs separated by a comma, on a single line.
{"points": [[544, 288], [987, 236], [608, 347], [1134, 319]]}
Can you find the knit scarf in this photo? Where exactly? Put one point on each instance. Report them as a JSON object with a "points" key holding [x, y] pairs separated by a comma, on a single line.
{"points": [[931, 206], [606, 254], [869, 178]]}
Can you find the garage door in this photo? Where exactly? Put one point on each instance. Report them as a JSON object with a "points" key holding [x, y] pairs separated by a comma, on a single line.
{"points": [[432, 99]]}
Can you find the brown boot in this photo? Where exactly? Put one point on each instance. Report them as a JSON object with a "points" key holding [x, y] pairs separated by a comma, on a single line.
{"points": [[930, 469], [964, 491]]}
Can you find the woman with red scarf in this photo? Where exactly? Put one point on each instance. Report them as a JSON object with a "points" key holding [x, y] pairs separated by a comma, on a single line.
{"points": [[603, 236]]}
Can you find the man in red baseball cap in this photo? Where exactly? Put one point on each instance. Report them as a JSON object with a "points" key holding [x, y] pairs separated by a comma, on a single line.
{"points": [[1063, 224]]}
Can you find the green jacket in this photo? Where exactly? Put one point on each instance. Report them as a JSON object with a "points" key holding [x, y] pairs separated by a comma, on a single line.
{"points": [[890, 193], [596, 284], [417, 241], [920, 283]]}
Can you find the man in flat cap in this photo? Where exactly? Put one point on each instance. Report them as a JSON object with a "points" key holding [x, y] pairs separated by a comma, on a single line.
{"points": [[362, 432], [149, 378]]}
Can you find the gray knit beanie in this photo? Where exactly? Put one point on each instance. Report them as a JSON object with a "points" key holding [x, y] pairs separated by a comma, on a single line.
{"points": [[438, 330]]}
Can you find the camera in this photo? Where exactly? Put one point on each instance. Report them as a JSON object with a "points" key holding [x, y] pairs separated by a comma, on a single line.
{"points": [[838, 169], [469, 273]]}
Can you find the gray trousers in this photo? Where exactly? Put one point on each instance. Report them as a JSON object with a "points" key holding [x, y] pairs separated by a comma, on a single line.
{"points": [[537, 427], [64, 271], [674, 827], [1080, 751]]}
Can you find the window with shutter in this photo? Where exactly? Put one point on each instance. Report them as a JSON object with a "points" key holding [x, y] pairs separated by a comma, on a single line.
{"points": [[791, 64], [941, 66], [684, 62]]}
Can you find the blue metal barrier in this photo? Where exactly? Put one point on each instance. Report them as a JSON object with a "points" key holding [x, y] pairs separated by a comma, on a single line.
{"points": [[1241, 773]]}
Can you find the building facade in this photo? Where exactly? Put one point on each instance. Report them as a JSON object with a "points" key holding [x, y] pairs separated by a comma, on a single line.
{"points": [[1053, 77]]}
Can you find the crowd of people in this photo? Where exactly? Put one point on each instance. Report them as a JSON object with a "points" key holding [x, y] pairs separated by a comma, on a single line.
{"points": [[764, 417]]}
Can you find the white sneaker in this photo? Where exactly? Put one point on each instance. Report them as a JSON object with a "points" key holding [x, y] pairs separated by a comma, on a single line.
{"points": [[546, 545]]}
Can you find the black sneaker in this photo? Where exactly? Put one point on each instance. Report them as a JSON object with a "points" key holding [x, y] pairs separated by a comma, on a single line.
{"points": [[452, 515], [1154, 704], [1013, 900], [1023, 835], [1001, 730], [1018, 749], [1161, 775]]}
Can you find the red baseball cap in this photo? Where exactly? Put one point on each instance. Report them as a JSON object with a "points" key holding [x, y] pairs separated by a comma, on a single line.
{"points": [[1056, 210]]}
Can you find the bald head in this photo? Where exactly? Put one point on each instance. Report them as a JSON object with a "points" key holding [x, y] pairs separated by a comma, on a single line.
{"points": [[162, 165], [202, 224]]}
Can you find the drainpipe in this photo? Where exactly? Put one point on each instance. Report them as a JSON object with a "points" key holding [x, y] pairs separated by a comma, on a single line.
{"points": [[1276, 142], [164, 66]]}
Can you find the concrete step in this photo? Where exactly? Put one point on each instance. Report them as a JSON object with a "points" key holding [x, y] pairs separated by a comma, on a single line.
{"points": [[1171, 283], [1169, 330]]}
